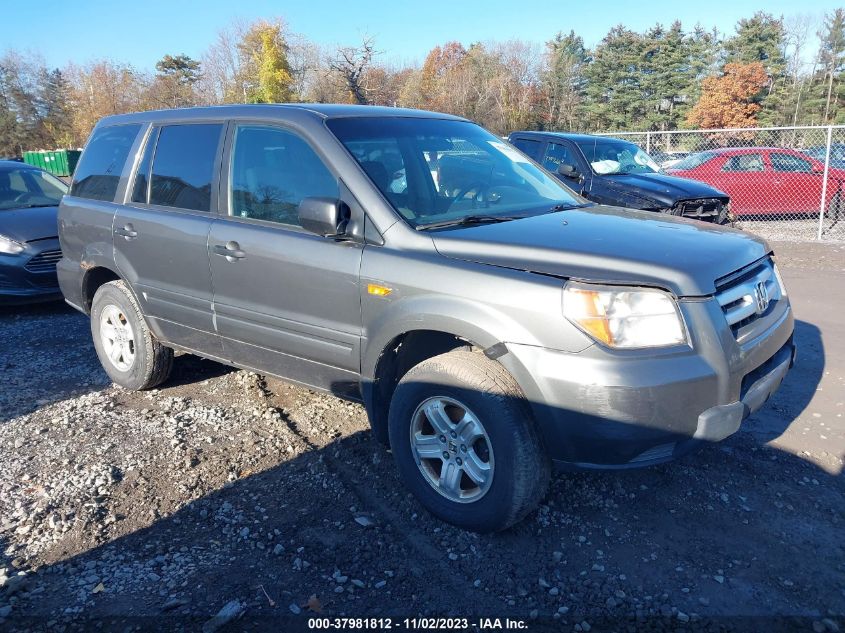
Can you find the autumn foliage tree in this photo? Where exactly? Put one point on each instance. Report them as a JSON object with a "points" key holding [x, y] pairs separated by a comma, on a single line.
{"points": [[728, 100]]}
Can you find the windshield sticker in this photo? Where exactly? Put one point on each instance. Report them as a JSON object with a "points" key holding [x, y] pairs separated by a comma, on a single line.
{"points": [[509, 151]]}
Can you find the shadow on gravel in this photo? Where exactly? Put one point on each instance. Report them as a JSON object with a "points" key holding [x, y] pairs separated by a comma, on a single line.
{"points": [[189, 369], [733, 534]]}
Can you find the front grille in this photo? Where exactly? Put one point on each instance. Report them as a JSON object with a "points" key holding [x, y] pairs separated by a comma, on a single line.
{"points": [[707, 209], [737, 294], [44, 262]]}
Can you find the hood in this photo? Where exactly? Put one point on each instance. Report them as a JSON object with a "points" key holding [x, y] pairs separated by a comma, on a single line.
{"points": [[663, 189], [610, 245], [26, 225]]}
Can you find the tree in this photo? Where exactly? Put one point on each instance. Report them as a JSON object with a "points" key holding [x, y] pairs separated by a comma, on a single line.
{"points": [[614, 87], [797, 33], [102, 88], [728, 101], [563, 81], [174, 84], [20, 121], [264, 68], [762, 38], [56, 115], [832, 57], [351, 63], [438, 75]]}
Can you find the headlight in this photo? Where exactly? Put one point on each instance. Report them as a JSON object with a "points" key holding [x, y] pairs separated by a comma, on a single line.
{"points": [[10, 246], [624, 317]]}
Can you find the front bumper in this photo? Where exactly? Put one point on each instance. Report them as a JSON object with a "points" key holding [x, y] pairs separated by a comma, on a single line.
{"points": [[30, 276], [606, 409]]}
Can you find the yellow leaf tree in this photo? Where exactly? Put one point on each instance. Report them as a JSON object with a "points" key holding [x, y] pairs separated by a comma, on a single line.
{"points": [[266, 74]]}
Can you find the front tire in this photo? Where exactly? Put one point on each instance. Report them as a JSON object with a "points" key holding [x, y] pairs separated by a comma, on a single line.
{"points": [[465, 443], [129, 353]]}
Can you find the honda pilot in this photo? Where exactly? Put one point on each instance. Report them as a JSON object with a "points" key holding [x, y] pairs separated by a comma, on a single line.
{"points": [[495, 324]]}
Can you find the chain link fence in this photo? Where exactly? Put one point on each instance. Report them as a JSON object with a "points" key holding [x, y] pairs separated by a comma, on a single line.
{"points": [[785, 183]]}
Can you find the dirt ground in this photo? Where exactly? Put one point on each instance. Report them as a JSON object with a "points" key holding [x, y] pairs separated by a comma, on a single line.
{"points": [[222, 494]]}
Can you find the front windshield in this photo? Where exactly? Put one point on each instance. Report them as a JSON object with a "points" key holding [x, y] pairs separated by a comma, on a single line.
{"points": [[434, 170], [23, 187], [611, 156]]}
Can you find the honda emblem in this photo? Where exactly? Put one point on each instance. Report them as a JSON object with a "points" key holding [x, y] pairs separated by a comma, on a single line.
{"points": [[761, 296]]}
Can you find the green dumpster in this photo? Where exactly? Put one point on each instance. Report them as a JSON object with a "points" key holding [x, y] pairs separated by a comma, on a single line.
{"points": [[60, 162]]}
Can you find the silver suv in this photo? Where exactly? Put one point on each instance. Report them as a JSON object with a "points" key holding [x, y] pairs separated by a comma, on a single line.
{"points": [[493, 322]]}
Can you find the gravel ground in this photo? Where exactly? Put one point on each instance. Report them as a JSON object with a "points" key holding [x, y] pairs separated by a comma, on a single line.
{"points": [[224, 494], [794, 229]]}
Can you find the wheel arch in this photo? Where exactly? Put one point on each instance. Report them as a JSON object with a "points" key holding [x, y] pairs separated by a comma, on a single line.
{"points": [[398, 355], [92, 280]]}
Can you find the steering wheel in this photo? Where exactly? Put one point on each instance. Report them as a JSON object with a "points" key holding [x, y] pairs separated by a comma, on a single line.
{"points": [[479, 187], [26, 195]]}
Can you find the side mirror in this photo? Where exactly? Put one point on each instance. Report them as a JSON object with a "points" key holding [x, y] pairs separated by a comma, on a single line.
{"points": [[568, 171], [326, 217]]}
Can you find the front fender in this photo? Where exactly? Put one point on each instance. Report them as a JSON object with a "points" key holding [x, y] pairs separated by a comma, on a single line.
{"points": [[480, 324]]}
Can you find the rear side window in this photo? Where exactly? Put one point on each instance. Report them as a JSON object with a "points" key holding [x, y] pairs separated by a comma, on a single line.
{"points": [[528, 147], [98, 173], [183, 166], [272, 171], [788, 162]]}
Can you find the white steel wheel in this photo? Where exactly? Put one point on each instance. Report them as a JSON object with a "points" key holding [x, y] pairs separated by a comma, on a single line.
{"points": [[117, 338]]}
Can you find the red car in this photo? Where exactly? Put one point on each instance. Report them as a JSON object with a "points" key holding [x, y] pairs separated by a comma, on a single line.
{"points": [[766, 180]]}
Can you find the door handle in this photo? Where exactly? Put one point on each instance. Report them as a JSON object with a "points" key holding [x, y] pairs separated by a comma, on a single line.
{"points": [[231, 251], [128, 232]]}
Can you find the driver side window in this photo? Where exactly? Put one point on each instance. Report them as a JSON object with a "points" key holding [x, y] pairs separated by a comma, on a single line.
{"points": [[557, 155], [744, 162], [272, 171]]}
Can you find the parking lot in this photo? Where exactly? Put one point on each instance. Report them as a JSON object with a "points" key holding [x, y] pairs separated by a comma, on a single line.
{"points": [[226, 490]]}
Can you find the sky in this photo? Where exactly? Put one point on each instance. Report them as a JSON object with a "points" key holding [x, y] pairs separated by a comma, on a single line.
{"points": [[140, 33]]}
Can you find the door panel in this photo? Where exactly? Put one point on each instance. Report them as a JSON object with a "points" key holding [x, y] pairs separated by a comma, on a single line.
{"points": [[285, 301], [744, 177], [799, 188], [166, 263], [162, 251], [291, 305]]}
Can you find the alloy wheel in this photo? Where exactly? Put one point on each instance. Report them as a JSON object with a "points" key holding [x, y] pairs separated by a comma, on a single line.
{"points": [[452, 449]]}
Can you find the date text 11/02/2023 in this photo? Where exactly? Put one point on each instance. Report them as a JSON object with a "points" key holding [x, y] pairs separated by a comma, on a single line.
{"points": [[417, 624]]}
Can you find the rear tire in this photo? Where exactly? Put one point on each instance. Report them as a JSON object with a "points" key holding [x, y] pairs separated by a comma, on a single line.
{"points": [[465, 444], [129, 353]]}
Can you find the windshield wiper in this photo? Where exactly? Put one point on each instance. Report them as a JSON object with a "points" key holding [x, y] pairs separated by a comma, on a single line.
{"points": [[569, 207], [470, 220], [38, 206]]}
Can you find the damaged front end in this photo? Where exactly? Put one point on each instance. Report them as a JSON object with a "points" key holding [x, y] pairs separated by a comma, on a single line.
{"points": [[715, 210]]}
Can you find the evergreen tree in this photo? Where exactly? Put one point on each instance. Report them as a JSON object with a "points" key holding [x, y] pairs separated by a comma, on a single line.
{"points": [[614, 82], [55, 112], [563, 81]]}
